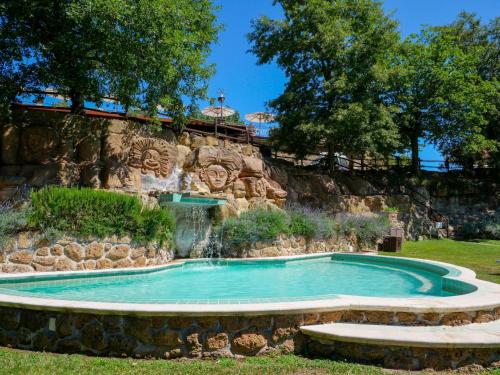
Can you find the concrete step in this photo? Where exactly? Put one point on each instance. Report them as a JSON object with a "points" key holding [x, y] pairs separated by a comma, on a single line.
{"points": [[479, 335]]}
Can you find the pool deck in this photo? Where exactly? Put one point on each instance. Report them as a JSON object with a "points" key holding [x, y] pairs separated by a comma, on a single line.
{"points": [[483, 335], [485, 297]]}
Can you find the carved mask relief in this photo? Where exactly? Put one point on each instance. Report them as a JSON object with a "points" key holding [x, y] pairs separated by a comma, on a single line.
{"points": [[153, 156], [219, 167]]}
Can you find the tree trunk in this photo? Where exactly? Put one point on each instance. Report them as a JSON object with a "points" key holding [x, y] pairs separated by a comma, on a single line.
{"points": [[76, 101], [415, 157], [331, 159]]}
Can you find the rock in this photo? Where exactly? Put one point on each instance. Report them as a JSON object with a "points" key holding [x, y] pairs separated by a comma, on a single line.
{"points": [[16, 268], [484, 317], [74, 252], [456, 319], [65, 264], [45, 261], [118, 252], [43, 251], [185, 139], [95, 250], [216, 341], [41, 268], [44, 341], [90, 264], [93, 336], [248, 343], [57, 250], [193, 345], [139, 328], [379, 317], [64, 327], [104, 264], [252, 167], [137, 252], [330, 317], [182, 154], [140, 262], [406, 317], [123, 263], [9, 319], [22, 257], [281, 334], [167, 338], [24, 240]]}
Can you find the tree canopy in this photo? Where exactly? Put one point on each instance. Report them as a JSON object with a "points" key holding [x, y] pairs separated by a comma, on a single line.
{"points": [[144, 53], [445, 88], [334, 56]]}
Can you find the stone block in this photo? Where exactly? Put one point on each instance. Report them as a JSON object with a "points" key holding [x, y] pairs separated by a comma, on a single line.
{"points": [[45, 260], [140, 262], [90, 264], [16, 268], [248, 343], [216, 341], [24, 240], [123, 263], [43, 251], [65, 264], [93, 336], [94, 250], [57, 250], [74, 251], [21, 257], [118, 252], [137, 252], [104, 264]]}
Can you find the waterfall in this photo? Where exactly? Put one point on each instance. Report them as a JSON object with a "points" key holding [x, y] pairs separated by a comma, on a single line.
{"points": [[192, 229]]}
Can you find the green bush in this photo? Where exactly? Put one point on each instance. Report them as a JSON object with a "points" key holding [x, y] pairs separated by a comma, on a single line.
{"points": [[261, 225], [84, 212], [255, 225], [367, 229], [11, 222], [480, 230]]}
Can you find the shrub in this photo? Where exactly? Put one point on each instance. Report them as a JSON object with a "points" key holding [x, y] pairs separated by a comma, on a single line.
{"points": [[11, 222], [480, 230], [255, 225], [302, 225], [367, 229], [84, 212]]}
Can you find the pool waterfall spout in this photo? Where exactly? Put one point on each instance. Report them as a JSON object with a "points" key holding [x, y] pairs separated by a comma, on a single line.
{"points": [[193, 224]]}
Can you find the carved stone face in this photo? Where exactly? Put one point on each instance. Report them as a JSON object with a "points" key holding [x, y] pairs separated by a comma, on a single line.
{"points": [[217, 177], [151, 162]]}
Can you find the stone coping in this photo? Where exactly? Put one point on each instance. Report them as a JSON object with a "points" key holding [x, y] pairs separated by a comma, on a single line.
{"points": [[478, 335], [485, 297]]}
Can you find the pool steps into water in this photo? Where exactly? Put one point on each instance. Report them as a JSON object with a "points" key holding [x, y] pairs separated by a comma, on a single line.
{"points": [[477, 335]]}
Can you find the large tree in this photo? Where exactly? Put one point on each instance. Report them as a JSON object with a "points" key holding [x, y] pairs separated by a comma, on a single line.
{"points": [[144, 53], [442, 91], [334, 56]]}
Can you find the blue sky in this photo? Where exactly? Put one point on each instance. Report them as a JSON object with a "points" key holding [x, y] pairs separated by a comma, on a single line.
{"points": [[248, 86]]}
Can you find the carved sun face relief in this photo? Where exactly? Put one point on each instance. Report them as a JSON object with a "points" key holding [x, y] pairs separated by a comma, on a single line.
{"points": [[153, 156]]}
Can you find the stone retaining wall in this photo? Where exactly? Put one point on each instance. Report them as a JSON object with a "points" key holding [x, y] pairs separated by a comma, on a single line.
{"points": [[287, 246], [195, 337], [408, 358], [30, 252]]}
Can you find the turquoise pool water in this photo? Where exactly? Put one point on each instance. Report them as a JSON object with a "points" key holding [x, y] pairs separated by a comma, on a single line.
{"points": [[240, 282]]}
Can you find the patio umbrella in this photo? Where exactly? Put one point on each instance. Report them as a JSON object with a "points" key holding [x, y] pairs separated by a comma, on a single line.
{"points": [[260, 118], [218, 112]]}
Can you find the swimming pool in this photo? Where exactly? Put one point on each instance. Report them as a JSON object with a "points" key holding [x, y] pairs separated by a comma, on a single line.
{"points": [[259, 281]]}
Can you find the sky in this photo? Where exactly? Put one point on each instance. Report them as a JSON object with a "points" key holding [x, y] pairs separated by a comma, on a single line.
{"points": [[248, 87]]}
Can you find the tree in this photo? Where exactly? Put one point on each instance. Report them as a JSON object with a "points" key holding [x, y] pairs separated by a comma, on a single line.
{"points": [[144, 53], [440, 92], [334, 56]]}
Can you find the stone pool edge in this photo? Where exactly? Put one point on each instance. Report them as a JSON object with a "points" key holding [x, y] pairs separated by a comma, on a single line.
{"points": [[485, 298]]}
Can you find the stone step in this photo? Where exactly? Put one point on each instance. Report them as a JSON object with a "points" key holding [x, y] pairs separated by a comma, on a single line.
{"points": [[478, 335]]}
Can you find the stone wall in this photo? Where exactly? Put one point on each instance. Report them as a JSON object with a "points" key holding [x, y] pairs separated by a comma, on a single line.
{"points": [[287, 246], [194, 337], [30, 252]]}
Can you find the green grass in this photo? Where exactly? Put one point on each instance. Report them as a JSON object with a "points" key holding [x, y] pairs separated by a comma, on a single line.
{"points": [[479, 255], [23, 362]]}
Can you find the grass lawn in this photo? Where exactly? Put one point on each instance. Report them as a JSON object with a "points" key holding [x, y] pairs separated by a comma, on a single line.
{"points": [[23, 362], [480, 256]]}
